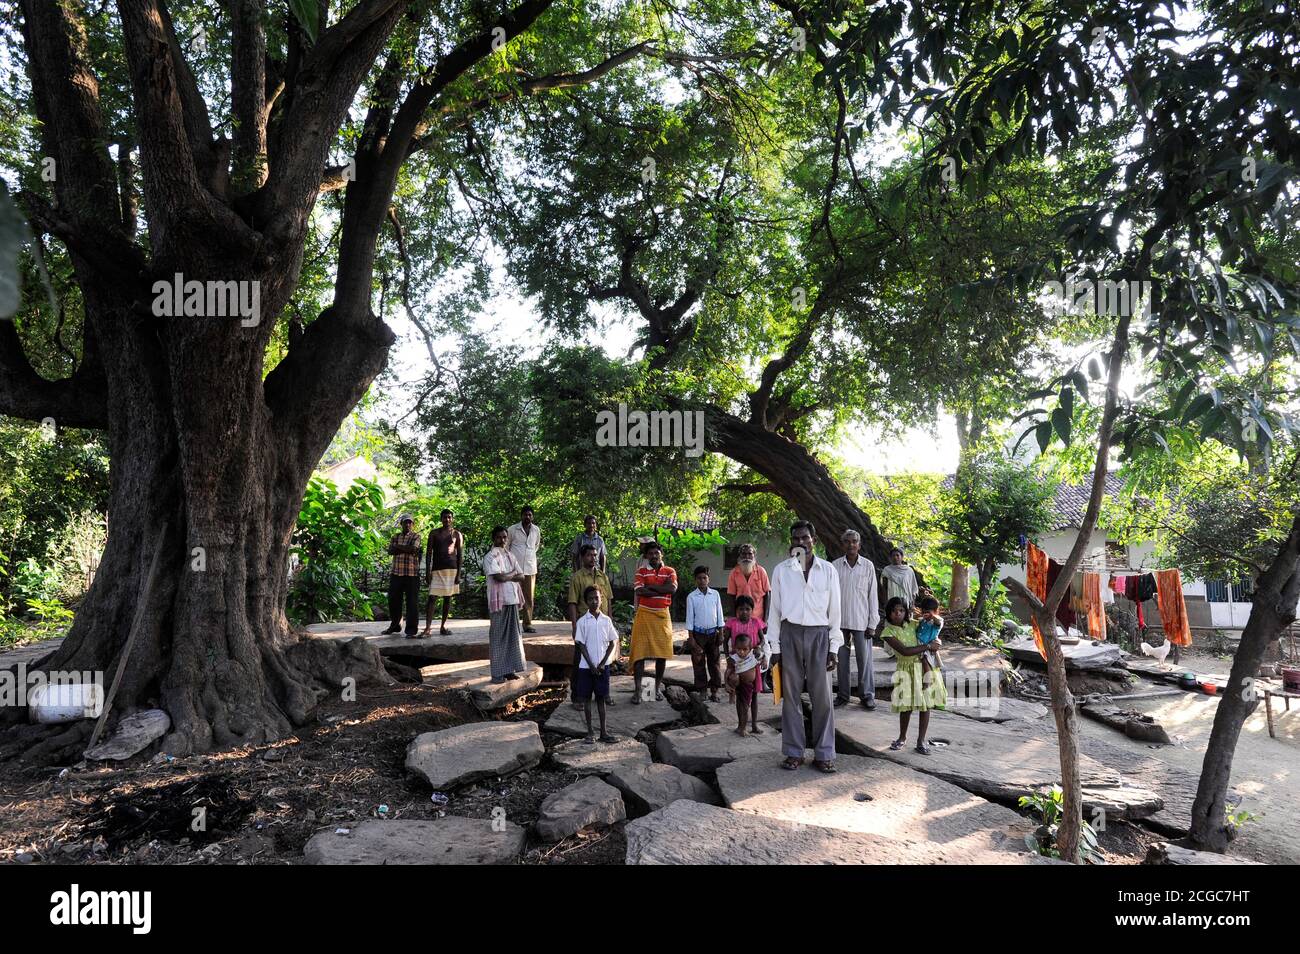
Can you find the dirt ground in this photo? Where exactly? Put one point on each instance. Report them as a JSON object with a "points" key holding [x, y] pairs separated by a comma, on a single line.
{"points": [[1265, 771], [261, 804]]}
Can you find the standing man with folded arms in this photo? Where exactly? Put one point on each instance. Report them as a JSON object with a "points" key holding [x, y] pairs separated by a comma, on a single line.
{"points": [[859, 616]]}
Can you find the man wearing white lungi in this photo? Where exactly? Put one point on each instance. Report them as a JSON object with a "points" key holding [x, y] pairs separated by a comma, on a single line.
{"points": [[803, 637], [859, 616]]}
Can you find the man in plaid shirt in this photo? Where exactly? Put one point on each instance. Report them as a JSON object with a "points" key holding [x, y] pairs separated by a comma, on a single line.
{"points": [[404, 583]]}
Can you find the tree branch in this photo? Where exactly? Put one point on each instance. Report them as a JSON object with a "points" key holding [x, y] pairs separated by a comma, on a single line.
{"points": [[761, 399], [78, 401], [248, 88]]}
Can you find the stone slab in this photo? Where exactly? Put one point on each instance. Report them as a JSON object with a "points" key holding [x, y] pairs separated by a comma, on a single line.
{"points": [[1082, 655], [625, 720], [996, 709], [704, 748], [1135, 725], [133, 735], [466, 753], [586, 803], [446, 841], [551, 645], [876, 797], [648, 788], [692, 833], [600, 758], [1163, 853], [474, 678], [1000, 762]]}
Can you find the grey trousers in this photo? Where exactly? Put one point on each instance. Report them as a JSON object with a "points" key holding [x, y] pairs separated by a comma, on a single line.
{"points": [[857, 641], [804, 651]]}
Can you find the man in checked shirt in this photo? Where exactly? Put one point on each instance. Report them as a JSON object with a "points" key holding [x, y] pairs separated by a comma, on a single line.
{"points": [[404, 583]]}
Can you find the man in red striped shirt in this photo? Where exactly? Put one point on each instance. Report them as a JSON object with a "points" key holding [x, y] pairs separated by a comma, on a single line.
{"points": [[652, 630]]}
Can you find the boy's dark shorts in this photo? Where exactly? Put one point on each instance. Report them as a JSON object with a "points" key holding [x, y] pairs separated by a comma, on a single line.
{"points": [[589, 682]]}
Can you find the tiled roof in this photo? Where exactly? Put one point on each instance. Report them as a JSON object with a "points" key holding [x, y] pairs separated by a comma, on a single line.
{"points": [[1071, 499]]}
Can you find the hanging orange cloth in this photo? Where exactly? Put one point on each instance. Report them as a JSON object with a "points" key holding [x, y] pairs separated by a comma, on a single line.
{"points": [[1096, 611], [1036, 583], [1173, 611]]}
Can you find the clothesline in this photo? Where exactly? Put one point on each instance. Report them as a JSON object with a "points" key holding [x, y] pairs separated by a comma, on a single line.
{"points": [[1088, 595]]}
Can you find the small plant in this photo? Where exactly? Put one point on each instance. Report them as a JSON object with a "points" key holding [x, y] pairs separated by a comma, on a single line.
{"points": [[1047, 806], [1235, 817]]}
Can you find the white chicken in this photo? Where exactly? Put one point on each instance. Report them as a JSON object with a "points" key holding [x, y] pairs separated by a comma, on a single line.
{"points": [[1158, 653]]}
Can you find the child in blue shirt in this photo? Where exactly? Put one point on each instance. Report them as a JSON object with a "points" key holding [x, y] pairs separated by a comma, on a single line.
{"points": [[927, 631]]}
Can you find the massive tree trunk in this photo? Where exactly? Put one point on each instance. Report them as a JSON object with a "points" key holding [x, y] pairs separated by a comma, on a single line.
{"points": [[210, 456], [798, 478], [1272, 611], [959, 592]]}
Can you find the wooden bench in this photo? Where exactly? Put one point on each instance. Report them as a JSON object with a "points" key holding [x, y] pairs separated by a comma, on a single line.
{"points": [[1286, 695]]}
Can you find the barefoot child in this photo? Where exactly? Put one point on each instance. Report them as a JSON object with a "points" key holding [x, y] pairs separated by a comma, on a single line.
{"points": [[914, 688], [746, 623], [743, 669], [596, 639]]}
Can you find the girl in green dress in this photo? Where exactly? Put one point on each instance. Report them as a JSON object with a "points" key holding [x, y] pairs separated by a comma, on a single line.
{"points": [[913, 688]]}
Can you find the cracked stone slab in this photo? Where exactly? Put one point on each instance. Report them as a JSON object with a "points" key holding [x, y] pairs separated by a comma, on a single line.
{"points": [[445, 841], [703, 748], [586, 803], [466, 753], [692, 833], [474, 678], [875, 797], [648, 788]]}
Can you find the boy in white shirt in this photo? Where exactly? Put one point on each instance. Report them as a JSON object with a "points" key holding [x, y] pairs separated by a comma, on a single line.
{"points": [[596, 639]]}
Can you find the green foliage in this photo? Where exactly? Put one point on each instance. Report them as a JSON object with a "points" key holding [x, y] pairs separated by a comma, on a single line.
{"points": [[1212, 514], [1048, 807], [338, 536], [994, 501], [53, 494]]}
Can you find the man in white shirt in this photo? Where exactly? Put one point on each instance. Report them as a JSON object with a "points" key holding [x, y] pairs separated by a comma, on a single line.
{"points": [[859, 615], [803, 636], [524, 539]]}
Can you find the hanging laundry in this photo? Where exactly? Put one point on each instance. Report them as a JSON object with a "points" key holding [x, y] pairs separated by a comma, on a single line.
{"points": [[1173, 609], [1132, 585], [1036, 568], [1117, 584], [1064, 614], [1096, 612], [1078, 597], [1107, 592], [1146, 588]]}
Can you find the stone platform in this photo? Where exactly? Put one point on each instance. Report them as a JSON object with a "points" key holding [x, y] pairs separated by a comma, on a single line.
{"points": [[551, 645], [474, 678]]}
